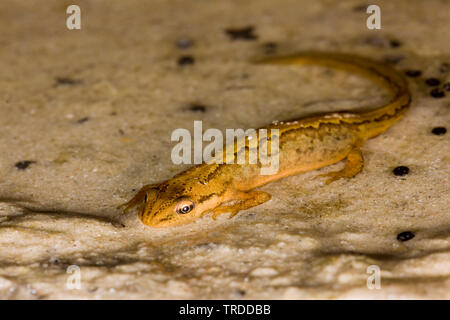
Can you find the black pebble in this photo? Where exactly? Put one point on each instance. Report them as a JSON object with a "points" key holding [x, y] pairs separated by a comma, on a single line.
{"points": [[68, 81], [439, 131], [401, 171], [185, 60], [405, 236], [83, 120], [437, 93], [241, 292], [432, 82], [197, 108], [413, 73], [395, 43], [22, 165], [245, 33], [446, 86]]}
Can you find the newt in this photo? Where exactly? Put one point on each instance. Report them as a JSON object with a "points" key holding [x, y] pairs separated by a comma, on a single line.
{"points": [[305, 144]]}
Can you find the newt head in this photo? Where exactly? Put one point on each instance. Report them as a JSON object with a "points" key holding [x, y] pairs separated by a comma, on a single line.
{"points": [[170, 206]]}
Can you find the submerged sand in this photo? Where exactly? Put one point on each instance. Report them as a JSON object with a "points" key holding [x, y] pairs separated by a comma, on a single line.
{"points": [[92, 111]]}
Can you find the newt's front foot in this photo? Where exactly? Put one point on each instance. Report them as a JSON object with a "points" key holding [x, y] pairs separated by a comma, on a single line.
{"points": [[246, 200]]}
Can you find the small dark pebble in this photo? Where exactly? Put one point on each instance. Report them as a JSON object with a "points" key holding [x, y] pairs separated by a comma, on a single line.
{"points": [[22, 165], [401, 171], [413, 73], [184, 43], [444, 68], [245, 33], [269, 47], [197, 108], [83, 120], [241, 292], [437, 93], [446, 86], [395, 43], [185, 60], [432, 82], [393, 59], [439, 131], [68, 81], [405, 236]]}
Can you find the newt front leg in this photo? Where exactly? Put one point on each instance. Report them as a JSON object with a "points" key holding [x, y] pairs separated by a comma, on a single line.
{"points": [[245, 200]]}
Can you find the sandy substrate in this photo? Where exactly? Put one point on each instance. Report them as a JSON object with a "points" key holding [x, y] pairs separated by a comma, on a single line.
{"points": [[93, 111]]}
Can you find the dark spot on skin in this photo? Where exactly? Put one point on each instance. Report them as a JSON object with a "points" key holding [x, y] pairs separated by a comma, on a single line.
{"points": [[395, 43], [245, 33], [393, 59], [432, 82], [413, 73], [184, 43], [269, 47], [405, 236], [83, 120], [437, 93], [186, 60], [22, 165], [400, 171], [446, 86], [68, 81], [439, 131], [196, 107]]}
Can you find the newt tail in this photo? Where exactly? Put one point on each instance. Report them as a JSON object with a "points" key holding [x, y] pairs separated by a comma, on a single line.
{"points": [[305, 144]]}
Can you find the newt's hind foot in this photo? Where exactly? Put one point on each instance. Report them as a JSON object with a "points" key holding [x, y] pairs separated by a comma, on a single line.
{"points": [[353, 166]]}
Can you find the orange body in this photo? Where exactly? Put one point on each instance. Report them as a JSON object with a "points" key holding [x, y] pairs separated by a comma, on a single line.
{"points": [[304, 144]]}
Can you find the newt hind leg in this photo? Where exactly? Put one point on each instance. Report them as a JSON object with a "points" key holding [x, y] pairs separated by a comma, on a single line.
{"points": [[353, 166], [246, 200]]}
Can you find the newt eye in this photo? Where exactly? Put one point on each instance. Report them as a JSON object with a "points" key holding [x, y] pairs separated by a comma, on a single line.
{"points": [[184, 206]]}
